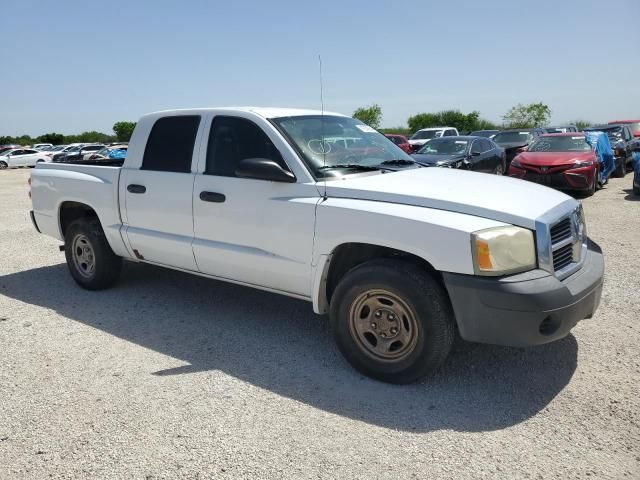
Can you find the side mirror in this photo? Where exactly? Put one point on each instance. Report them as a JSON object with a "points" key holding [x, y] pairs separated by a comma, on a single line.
{"points": [[264, 169]]}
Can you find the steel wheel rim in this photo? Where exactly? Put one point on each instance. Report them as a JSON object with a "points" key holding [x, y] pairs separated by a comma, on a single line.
{"points": [[383, 325], [83, 256]]}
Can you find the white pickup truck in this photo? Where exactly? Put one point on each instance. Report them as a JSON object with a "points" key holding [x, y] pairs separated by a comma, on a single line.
{"points": [[321, 207]]}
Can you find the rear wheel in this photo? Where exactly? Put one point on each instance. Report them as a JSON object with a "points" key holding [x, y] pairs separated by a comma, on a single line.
{"points": [[499, 170], [92, 263], [392, 321]]}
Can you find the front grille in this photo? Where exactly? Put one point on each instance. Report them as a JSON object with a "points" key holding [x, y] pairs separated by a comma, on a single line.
{"points": [[562, 257], [561, 231]]}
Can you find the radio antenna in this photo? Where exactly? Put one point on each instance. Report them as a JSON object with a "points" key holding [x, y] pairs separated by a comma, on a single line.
{"points": [[322, 141]]}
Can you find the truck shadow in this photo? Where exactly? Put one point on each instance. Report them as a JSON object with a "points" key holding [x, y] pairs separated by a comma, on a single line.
{"points": [[278, 344]]}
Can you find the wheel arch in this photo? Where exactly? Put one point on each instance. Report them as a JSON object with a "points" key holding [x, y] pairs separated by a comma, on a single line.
{"points": [[69, 211], [347, 256]]}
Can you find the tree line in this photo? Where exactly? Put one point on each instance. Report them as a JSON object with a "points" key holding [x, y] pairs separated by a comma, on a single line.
{"points": [[518, 116], [121, 133]]}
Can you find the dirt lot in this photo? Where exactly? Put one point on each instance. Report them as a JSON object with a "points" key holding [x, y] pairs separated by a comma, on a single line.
{"points": [[173, 376]]}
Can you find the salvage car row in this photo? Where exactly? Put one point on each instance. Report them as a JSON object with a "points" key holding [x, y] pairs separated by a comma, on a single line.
{"points": [[559, 157]]}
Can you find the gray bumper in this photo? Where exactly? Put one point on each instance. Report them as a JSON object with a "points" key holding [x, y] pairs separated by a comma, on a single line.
{"points": [[529, 308]]}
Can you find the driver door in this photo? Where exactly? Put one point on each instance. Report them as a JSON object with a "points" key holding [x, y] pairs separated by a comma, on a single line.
{"points": [[17, 158], [257, 232]]}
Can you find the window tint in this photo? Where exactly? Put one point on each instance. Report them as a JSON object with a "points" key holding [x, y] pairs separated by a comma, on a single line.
{"points": [[170, 144], [476, 147], [449, 133], [233, 139], [486, 145], [17, 152], [30, 152]]}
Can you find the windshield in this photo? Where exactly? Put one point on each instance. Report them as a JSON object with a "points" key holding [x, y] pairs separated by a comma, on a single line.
{"points": [[445, 146], [425, 134], [513, 137], [614, 134], [329, 143], [560, 144]]}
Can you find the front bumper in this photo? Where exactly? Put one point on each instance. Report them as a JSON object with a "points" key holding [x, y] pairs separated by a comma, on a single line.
{"points": [[529, 308], [572, 179]]}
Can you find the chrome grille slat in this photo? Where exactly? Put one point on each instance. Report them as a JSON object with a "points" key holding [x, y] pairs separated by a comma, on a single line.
{"points": [[558, 238]]}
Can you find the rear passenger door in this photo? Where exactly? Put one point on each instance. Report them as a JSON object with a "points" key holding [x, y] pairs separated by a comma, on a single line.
{"points": [[158, 194]]}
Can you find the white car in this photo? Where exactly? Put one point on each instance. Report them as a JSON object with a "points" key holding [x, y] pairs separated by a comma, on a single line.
{"points": [[422, 136], [22, 157], [402, 257], [42, 146]]}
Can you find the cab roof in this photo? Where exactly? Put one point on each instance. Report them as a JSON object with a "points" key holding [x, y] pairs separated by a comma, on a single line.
{"points": [[265, 112]]}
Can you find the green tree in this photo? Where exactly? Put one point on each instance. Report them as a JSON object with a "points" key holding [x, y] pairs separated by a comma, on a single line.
{"points": [[53, 138], [527, 116], [371, 115], [449, 118], [123, 130]]}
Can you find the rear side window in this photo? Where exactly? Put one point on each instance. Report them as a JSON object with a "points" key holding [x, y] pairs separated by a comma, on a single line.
{"points": [[486, 145], [449, 133], [170, 144], [233, 139]]}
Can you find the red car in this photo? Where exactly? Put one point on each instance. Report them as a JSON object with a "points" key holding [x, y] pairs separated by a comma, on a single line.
{"points": [[561, 160], [401, 141], [634, 126]]}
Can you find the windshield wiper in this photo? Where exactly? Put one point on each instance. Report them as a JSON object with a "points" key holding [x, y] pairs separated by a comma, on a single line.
{"points": [[398, 161], [350, 166]]}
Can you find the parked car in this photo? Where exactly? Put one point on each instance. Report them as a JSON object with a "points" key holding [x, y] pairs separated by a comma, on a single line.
{"points": [[6, 148], [401, 141], [561, 129], [561, 160], [484, 133], [515, 141], [634, 126], [465, 152], [422, 136], [42, 146], [622, 142], [77, 153], [402, 257], [115, 153], [71, 148], [21, 157]]}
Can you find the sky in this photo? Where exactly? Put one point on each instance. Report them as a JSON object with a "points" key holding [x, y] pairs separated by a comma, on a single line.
{"points": [[73, 66]]}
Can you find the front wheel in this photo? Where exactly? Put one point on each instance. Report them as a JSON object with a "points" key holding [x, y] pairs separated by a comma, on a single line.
{"points": [[499, 170], [4, 165], [392, 321], [92, 263]]}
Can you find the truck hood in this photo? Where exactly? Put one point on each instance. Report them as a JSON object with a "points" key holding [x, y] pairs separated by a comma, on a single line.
{"points": [[554, 159], [498, 198]]}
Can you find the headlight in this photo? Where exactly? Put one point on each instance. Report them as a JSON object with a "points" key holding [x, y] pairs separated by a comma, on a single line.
{"points": [[503, 250], [582, 164]]}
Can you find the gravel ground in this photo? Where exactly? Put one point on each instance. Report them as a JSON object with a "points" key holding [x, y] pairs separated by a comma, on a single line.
{"points": [[169, 375]]}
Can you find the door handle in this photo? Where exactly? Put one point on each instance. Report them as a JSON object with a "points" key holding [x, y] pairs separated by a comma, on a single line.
{"points": [[133, 188], [212, 197]]}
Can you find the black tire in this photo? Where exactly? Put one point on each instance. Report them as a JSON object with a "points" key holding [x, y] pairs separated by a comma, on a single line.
{"points": [[636, 190], [4, 165], [433, 320], [106, 264], [621, 169], [594, 186], [500, 169]]}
